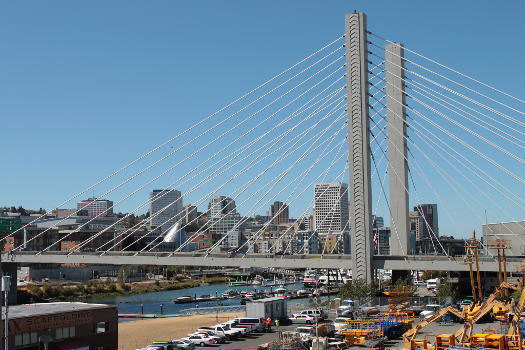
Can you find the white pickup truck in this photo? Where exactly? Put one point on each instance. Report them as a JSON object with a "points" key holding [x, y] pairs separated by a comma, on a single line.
{"points": [[234, 325], [221, 331]]}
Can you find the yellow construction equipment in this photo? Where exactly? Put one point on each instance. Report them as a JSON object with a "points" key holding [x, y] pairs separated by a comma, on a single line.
{"points": [[357, 332], [410, 335], [482, 310], [444, 341], [399, 299], [501, 245]]}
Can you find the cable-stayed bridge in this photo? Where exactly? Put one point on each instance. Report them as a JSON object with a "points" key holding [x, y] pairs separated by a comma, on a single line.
{"points": [[396, 126]]}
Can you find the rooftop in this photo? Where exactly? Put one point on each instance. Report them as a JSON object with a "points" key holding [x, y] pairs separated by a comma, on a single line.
{"points": [[267, 300], [40, 309]]}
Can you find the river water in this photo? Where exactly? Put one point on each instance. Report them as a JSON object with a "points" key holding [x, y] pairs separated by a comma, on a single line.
{"points": [[150, 303]]}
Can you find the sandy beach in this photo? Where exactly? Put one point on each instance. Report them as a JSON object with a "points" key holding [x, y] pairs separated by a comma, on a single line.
{"points": [[137, 334]]}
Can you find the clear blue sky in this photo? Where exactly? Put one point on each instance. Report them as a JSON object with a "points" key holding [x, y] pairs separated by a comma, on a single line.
{"points": [[88, 85]]}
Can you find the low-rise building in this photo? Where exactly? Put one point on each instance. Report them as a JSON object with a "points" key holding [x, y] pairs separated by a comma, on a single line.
{"points": [[63, 325]]}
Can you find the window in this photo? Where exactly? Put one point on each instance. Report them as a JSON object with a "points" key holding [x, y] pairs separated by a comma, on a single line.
{"points": [[18, 339], [65, 332], [26, 338], [101, 327]]}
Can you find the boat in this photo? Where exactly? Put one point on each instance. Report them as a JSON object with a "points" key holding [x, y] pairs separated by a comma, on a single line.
{"points": [[281, 292], [258, 280], [183, 300], [302, 293], [238, 283], [205, 297], [229, 294], [311, 279]]}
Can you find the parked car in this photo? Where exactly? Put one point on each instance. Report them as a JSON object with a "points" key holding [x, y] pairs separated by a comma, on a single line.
{"points": [[302, 319], [465, 302], [420, 283], [221, 339], [201, 339], [184, 344], [430, 310], [317, 314], [163, 345]]}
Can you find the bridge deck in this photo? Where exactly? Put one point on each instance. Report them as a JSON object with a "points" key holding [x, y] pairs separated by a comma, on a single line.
{"points": [[255, 260]]}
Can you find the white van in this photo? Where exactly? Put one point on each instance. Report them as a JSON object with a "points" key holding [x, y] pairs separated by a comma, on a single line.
{"points": [[432, 284]]}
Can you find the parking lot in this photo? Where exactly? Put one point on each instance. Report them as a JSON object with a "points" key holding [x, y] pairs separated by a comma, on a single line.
{"points": [[254, 340]]}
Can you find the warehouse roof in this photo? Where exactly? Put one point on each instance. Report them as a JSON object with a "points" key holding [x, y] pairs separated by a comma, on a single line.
{"points": [[40, 309]]}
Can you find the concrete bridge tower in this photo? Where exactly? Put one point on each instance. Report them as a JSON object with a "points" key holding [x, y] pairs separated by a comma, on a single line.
{"points": [[359, 145]]}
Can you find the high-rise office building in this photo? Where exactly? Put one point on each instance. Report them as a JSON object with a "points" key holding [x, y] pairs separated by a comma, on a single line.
{"points": [[165, 208], [95, 207], [224, 223], [279, 213], [331, 207], [378, 221], [424, 220], [189, 214], [221, 205]]}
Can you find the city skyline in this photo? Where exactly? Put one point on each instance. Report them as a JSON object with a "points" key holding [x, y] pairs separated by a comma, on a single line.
{"points": [[55, 183]]}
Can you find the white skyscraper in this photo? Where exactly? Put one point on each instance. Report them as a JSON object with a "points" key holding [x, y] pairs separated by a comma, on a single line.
{"points": [[95, 207], [331, 207], [221, 205], [165, 207]]}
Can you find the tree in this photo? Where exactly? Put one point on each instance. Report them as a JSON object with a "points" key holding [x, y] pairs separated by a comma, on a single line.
{"points": [[447, 290], [123, 273], [433, 274], [516, 295], [357, 289]]}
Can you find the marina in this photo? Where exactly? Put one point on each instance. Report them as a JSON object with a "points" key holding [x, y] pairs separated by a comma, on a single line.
{"points": [[201, 299]]}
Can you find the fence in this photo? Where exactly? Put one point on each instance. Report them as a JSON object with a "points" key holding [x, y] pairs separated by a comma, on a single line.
{"points": [[213, 310]]}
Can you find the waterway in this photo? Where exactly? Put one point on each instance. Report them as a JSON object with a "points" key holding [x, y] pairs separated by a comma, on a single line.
{"points": [[151, 303]]}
